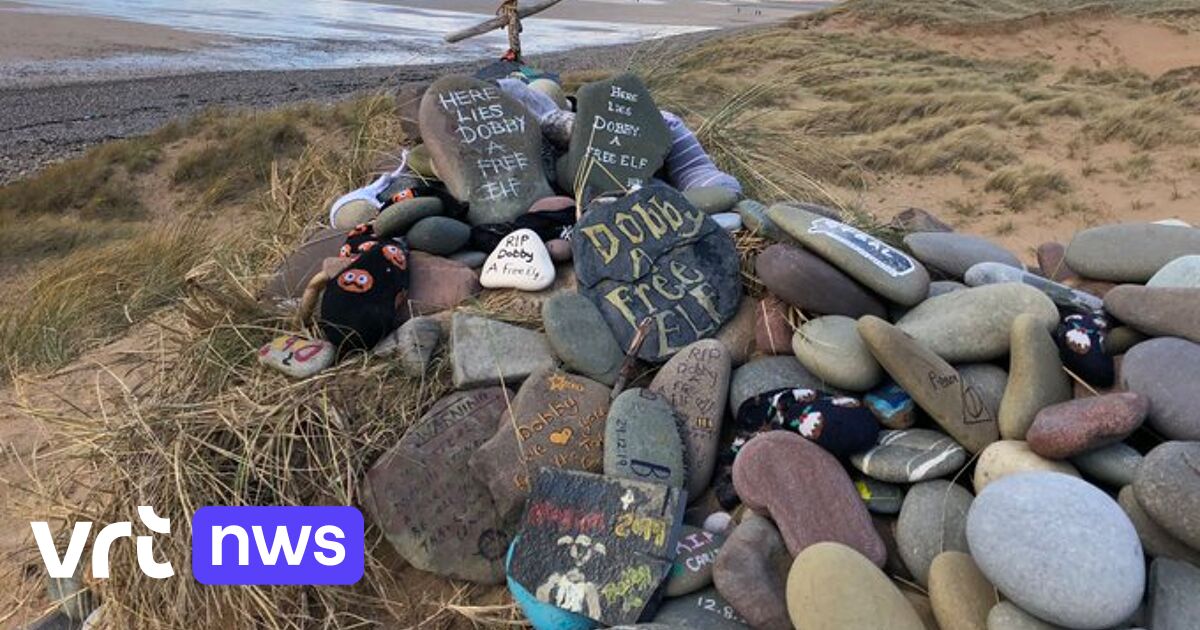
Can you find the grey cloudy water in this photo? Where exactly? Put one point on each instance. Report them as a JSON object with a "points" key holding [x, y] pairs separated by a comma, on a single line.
{"points": [[312, 34]]}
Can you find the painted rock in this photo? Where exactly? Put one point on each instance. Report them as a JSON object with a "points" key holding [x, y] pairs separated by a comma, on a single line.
{"points": [[696, 383], [1064, 296], [1164, 371], [841, 424], [910, 456], [422, 496], [880, 497], [809, 283], [772, 330], [975, 324], [1168, 488], [1035, 377], [751, 572], [1183, 272], [1174, 601], [807, 493], [1129, 252], [877, 265], [596, 546], [296, 356], [1077, 426], [541, 615], [580, 337], [1156, 541], [652, 255], [619, 139], [440, 236], [766, 374], [892, 406], [936, 387], [695, 555], [485, 352], [1113, 465], [833, 587], [1009, 457], [556, 420], [519, 262], [412, 345], [486, 147], [1163, 312], [642, 439], [960, 593], [1059, 548], [933, 520], [705, 609], [952, 253], [832, 350], [1081, 347]]}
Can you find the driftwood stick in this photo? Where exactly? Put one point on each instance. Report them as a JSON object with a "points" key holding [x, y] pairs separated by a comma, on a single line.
{"points": [[499, 21]]}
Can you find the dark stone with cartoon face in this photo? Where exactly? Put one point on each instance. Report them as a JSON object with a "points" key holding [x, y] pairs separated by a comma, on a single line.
{"points": [[487, 148], [421, 493], [706, 609], [1080, 339], [643, 439], [557, 420], [695, 556], [652, 255], [619, 139], [597, 546]]}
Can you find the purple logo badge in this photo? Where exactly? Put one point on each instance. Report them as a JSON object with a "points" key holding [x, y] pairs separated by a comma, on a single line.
{"points": [[277, 545]]}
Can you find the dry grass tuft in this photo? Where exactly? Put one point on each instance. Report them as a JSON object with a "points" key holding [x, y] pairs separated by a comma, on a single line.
{"points": [[1028, 183], [1145, 124]]}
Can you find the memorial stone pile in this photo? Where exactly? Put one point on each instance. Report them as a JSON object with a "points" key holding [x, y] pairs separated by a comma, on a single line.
{"points": [[1017, 437]]}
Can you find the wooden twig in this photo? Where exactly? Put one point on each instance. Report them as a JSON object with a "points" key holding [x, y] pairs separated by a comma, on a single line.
{"points": [[500, 21]]}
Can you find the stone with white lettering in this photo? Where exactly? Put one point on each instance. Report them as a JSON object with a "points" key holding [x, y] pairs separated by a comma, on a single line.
{"points": [[595, 545], [486, 147], [619, 139], [706, 609], [556, 420], [695, 556], [438, 517], [652, 255], [520, 261]]}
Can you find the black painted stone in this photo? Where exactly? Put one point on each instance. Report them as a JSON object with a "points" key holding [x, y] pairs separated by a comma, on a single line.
{"points": [[652, 254], [595, 545], [620, 127]]}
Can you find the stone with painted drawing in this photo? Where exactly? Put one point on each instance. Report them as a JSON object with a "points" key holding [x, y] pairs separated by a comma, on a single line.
{"points": [[597, 546], [296, 356]]}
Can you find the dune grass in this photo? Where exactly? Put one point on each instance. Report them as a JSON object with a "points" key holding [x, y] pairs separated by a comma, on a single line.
{"points": [[1028, 183], [970, 12]]}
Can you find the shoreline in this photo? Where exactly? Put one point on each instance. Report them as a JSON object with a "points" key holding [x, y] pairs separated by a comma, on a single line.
{"points": [[42, 125]]}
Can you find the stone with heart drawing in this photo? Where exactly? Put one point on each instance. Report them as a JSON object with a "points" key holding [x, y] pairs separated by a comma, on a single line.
{"points": [[557, 421], [296, 356], [521, 261]]}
